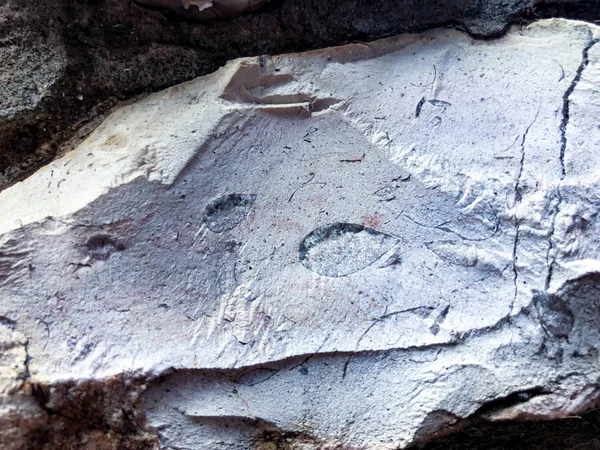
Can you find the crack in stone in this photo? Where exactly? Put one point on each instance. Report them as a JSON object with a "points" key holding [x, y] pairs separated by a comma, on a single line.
{"points": [[566, 104], [312, 355], [26, 362], [518, 198], [551, 261], [451, 343], [442, 227]]}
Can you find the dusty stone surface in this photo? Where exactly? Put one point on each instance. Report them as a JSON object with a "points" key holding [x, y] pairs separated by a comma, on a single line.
{"points": [[65, 63], [267, 251]]}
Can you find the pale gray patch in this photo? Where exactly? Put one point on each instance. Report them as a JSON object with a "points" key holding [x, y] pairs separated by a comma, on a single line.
{"points": [[339, 249]]}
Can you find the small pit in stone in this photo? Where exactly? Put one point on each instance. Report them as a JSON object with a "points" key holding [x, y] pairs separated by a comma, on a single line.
{"points": [[226, 212], [100, 246], [340, 249]]}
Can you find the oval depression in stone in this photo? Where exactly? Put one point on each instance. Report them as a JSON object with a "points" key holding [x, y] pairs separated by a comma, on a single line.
{"points": [[339, 249], [226, 212]]}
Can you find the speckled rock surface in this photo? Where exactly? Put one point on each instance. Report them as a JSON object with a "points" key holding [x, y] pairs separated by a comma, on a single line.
{"points": [[360, 263]]}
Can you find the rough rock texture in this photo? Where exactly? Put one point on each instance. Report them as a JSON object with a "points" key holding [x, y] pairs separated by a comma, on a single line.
{"points": [[206, 9], [65, 63], [268, 254]]}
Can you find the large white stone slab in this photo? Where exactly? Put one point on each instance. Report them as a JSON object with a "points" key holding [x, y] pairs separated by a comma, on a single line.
{"points": [[359, 243]]}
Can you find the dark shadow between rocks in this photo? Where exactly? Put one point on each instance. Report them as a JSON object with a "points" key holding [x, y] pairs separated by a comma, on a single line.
{"points": [[573, 433]]}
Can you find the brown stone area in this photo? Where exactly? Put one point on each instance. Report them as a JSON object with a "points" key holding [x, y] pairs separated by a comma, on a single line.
{"points": [[90, 415]]}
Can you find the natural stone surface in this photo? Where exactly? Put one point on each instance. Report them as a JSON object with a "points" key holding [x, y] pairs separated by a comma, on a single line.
{"points": [[66, 63], [358, 246]]}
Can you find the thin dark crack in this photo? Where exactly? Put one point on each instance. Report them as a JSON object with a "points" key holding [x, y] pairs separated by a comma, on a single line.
{"points": [[26, 362], [566, 104], [419, 106], [435, 327], [306, 183], [380, 319], [309, 357], [515, 259], [292, 157], [551, 259], [562, 71], [445, 229], [507, 149], [429, 84], [353, 160], [387, 316], [272, 373], [518, 197]]}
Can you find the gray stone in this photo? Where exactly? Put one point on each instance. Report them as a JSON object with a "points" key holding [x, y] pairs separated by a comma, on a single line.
{"points": [[222, 248]]}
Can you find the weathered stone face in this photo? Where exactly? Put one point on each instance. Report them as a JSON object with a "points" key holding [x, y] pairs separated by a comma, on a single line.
{"points": [[360, 244], [65, 64]]}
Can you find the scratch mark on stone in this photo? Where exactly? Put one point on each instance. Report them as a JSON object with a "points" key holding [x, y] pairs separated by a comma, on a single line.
{"points": [[380, 319], [445, 229], [432, 81], [419, 107]]}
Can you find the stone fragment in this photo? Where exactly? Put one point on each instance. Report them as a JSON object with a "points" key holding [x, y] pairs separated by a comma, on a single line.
{"points": [[224, 249]]}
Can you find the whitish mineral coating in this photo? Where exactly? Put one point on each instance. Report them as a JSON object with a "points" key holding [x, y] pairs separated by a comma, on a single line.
{"points": [[360, 243]]}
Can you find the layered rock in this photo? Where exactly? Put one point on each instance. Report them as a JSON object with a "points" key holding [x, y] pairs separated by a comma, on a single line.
{"points": [[358, 246]]}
